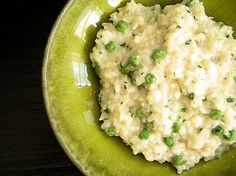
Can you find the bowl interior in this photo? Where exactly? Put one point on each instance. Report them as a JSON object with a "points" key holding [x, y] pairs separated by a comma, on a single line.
{"points": [[71, 88]]}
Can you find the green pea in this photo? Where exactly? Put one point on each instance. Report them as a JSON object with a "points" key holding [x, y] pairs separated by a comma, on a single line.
{"points": [[216, 114], [169, 141], [121, 26], [142, 113], [111, 131], [178, 160], [191, 96], [150, 78], [126, 69], [111, 46], [149, 126], [218, 130], [231, 135], [158, 55], [176, 127], [97, 70], [144, 134], [220, 24], [134, 60]]}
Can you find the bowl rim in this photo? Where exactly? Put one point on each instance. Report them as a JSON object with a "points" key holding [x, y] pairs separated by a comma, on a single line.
{"points": [[44, 78]]}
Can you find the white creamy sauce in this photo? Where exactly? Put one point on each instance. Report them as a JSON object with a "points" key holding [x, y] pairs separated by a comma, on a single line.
{"points": [[186, 109]]}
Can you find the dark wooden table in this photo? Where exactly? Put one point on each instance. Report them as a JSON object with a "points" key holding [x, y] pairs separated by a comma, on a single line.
{"points": [[27, 144]]}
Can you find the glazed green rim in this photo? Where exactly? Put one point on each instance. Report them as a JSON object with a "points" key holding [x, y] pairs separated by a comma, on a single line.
{"points": [[45, 92]]}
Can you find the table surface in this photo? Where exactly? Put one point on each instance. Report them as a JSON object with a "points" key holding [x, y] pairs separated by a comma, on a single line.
{"points": [[27, 143]]}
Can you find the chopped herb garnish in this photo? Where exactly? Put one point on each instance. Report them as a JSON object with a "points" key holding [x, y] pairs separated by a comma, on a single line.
{"points": [[216, 114], [110, 47], [150, 78], [227, 36], [184, 109], [125, 87], [110, 131], [218, 130], [123, 44], [158, 55], [178, 160], [144, 134], [235, 79], [121, 26], [199, 130], [230, 99], [178, 26], [188, 42], [169, 141], [191, 96], [231, 135], [108, 111], [199, 66], [205, 99], [220, 24], [232, 56]]}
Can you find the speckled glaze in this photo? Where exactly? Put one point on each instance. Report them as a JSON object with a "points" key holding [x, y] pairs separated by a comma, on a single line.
{"points": [[70, 89]]}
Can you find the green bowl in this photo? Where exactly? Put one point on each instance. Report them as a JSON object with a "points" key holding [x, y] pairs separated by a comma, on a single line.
{"points": [[71, 87]]}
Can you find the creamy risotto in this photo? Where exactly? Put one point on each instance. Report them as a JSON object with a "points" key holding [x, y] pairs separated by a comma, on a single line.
{"points": [[168, 82]]}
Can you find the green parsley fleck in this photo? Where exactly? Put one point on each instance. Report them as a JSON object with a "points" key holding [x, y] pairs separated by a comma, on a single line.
{"points": [[199, 130], [178, 26], [220, 24], [230, 99], [183, 109], [205, 99], [123, 44], [191, 96], [235, 79], [188, 42]]}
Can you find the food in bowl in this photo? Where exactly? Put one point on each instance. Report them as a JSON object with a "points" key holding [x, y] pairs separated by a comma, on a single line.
{"points": [[168, 82]]}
